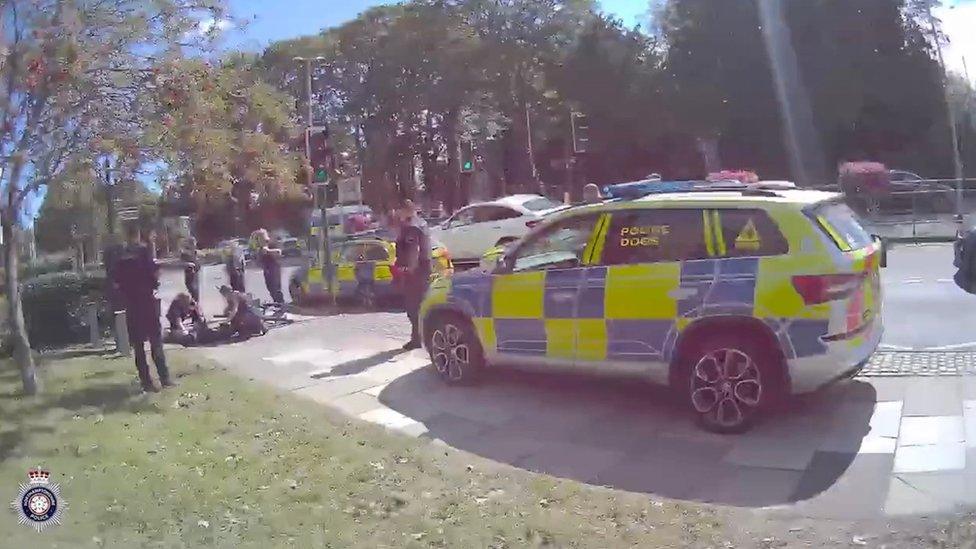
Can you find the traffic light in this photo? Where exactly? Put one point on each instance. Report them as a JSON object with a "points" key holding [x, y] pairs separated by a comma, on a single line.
{"points": [[581, 132], [319, 153], [467, 157]]}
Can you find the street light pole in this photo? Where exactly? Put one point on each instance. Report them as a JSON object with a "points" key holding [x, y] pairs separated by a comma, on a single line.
{"points": [[956, 157], [325, 257]]}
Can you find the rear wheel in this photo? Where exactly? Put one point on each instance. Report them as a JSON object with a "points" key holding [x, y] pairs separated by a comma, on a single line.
{"points": [[728, 380], [366, 296], [455, 350], [296, 292]]}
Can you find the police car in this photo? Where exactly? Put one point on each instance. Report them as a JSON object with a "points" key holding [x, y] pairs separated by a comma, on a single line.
{"points": [[363, 272], [733, 295]]}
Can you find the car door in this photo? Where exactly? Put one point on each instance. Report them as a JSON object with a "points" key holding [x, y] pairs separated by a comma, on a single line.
{"points": [[536, 294], [651, 270], [456, 233], [500, 222]]}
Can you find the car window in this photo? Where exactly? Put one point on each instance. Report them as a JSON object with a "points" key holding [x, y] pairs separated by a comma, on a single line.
{"points": [[352, 252], [750, 233], [541, 203], [493, 213], [375, 252], [843, 226], [559, 245], [462, 218], [647, 236]]}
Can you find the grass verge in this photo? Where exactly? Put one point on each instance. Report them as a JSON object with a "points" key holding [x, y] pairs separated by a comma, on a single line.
{"points": [[220, 462]]}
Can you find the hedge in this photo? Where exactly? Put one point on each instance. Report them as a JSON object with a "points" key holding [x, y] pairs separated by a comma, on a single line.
{"points": [[55, 307]]}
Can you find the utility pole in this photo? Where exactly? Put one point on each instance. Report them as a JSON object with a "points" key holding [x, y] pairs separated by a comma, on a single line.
{"points": [[325, 252], [953, 133]]}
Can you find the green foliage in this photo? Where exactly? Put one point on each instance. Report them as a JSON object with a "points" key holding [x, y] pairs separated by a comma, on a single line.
{"points": [[55, 305]]}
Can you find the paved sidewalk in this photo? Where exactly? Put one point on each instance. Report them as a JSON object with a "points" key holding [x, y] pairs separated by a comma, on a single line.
{"points": [[863, 449]]}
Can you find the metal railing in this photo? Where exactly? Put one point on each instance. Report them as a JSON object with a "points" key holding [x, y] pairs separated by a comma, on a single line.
{"points": [[931, 210]]}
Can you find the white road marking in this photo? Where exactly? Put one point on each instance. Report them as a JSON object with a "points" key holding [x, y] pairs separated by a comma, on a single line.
{"points": [[323, 359], [953, 347], [912, 281], [887, 347], [945, 280]]}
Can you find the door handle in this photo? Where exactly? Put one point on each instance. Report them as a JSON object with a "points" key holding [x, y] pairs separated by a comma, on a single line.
{"points": [[682, 292]]}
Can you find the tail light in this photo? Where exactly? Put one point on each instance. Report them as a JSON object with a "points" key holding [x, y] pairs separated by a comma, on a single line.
{"points": [[532, 223], [823, 288]]}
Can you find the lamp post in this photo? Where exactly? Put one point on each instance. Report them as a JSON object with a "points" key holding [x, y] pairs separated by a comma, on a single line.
{"points": [[325, 254], [951, 116]]}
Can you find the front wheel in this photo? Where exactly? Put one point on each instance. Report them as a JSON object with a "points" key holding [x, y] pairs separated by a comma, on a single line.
{"points": [[729, 382], [455, 350]]}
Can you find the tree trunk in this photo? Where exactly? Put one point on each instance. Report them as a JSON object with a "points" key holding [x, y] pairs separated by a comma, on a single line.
{"points": [[15, 311]]}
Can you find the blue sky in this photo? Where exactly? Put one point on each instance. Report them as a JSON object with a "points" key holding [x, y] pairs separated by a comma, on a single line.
{"points": [[270, 21]]}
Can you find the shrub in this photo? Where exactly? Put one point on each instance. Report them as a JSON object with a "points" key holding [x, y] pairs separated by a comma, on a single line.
{"points": [[55, 305]]}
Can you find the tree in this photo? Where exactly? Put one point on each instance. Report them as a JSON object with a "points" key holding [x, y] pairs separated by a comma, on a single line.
{"points": [[67, 69], [224, 135]]}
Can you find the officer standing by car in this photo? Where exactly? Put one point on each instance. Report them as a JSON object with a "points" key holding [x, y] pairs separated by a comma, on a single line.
{"points": [[135, 275], [413, 265], [270, 259]]}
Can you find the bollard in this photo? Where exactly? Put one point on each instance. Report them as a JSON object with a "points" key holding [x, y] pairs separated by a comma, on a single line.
{"points": [[122, 335], [94, 334]]}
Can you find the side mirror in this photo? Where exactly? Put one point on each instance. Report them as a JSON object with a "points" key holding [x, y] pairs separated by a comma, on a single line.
{"points": [[883, 262]]}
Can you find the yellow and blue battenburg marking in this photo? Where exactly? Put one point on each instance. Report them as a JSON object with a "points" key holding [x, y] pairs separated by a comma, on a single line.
{"points": [[620, 313]]}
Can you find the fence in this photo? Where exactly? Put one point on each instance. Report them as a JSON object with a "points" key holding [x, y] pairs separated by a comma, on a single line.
{"points": [[918, 211]]}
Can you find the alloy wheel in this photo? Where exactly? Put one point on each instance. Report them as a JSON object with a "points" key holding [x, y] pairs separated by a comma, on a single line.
{"points": [[449, 352], [726, 388]]}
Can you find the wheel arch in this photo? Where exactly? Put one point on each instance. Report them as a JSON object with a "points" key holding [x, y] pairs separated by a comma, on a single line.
{"points": [[746, 325], [440, 310]]}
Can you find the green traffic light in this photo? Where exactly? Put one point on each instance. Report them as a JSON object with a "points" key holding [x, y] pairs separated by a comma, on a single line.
{"points": [[321, 176], [468, 165]]}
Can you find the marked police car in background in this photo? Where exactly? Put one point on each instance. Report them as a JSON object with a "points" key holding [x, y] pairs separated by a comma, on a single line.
{"points": [[363, 272], [734, 295]]}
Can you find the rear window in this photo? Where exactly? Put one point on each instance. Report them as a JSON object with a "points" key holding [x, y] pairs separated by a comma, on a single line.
{"points": [[843, 226], [750, 233], [539, 204]]}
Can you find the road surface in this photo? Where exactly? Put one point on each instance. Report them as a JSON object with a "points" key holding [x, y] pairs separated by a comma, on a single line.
{"points": [[923, 307]]}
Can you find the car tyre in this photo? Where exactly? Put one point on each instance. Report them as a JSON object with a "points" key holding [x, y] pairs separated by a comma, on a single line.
{"points": [[366, 296], [296, 292], [455, 350], [728, 381]]}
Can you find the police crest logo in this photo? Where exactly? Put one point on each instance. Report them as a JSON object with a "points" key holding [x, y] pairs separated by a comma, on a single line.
{"points": [[39, 504]]}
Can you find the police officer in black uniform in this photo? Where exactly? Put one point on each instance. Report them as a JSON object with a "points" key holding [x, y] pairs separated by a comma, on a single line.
{"points": [[191, 269], [413, 265], [270, 259], [135, 276]]}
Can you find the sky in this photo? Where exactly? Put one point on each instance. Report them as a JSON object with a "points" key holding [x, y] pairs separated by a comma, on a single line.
{"points": [[260, 22]]}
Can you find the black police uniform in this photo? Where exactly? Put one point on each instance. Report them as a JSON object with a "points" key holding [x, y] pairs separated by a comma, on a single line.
{"points": [[191, 273], [271, 265], [413, 252], [235, 269], [136, 276]]}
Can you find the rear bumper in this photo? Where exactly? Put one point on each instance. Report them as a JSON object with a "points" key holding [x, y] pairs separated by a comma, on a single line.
{"points": [[843, 358]]}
